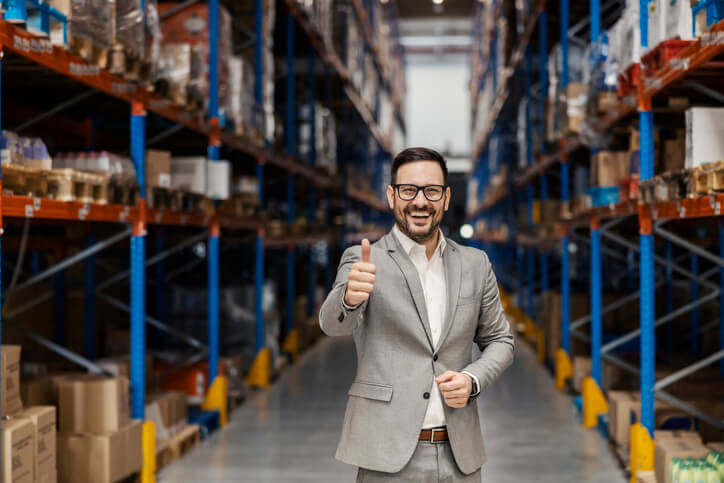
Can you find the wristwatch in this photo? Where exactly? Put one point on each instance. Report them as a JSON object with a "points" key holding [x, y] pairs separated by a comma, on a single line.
{"points": [[476, 385]]}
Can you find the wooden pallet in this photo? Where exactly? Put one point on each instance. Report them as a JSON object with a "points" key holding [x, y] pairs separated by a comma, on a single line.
{"points": [[164, 199], [23, 181], [74, 185], [163, 454], [129, 66], [122, 193], [707, 179], [89, 52], [184, 441], [669, 186]]}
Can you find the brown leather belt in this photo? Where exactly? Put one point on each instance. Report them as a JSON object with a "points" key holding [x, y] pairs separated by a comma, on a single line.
{"points": [[435, 435]]}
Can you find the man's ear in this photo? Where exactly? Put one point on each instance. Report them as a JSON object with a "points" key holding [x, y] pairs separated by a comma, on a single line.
{"points": [[391, 196], [448, 195]]}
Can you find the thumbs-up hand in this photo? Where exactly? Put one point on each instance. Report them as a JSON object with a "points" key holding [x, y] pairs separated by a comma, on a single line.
{"points": [[361, 278]]}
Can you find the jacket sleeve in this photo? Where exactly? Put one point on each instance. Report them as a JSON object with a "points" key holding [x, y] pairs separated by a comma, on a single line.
{"points": [[493, 335], [334, 318]]}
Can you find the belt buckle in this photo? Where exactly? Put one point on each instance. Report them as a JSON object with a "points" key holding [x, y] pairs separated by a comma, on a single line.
{"points": [[432, 435]]}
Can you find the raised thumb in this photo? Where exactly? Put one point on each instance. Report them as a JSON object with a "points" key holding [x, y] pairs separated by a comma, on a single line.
{"points": [[366, 250]]}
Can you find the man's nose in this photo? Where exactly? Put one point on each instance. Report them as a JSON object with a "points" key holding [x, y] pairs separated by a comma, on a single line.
{"points": [[420, 200]]}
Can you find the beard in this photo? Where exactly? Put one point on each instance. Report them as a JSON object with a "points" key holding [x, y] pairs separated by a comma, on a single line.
{"points": [[401, 217]]}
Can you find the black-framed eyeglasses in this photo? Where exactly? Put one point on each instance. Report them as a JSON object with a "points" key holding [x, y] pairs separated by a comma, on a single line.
{"points": [[408, 192]]}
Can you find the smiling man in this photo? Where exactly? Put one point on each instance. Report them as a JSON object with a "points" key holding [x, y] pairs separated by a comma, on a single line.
{"points": [[415, 302]]}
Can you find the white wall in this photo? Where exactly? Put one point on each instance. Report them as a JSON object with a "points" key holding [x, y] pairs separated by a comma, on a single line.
{"points": [[438, 102]]}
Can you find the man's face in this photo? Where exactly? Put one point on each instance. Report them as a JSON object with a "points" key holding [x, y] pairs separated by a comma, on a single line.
{"points": [[419, 218]]}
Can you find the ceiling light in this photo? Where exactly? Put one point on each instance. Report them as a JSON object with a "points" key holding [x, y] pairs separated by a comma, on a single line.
{"points": [[383, 2], [437, 2]]}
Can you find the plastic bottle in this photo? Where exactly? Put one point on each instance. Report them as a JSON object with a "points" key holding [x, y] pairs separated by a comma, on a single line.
{"points": [[686, 475], [700, 472], [675, 469], [712, 475]]}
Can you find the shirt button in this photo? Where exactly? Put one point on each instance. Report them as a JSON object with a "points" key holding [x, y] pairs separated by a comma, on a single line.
{"points": [[434, 358], [426, 395]]}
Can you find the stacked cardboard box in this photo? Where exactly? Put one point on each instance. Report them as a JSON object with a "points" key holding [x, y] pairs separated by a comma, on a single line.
{"points": [[168, 410], [94, 418], [675, 444], [28, 435]]}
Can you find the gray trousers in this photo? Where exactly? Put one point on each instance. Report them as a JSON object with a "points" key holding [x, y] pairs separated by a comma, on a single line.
{"points": [[430, 463]]}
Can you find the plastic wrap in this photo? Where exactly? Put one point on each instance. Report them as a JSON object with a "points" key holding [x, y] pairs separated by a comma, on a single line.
{"points": [[91, 20], [190, 26], [181, 67], [35, 154], [12, 151], [241, 105], [153, 38], [128, 31], [120, 169]]}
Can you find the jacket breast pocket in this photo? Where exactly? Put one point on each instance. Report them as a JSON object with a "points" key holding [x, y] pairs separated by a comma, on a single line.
{"points": [[371, 390]]}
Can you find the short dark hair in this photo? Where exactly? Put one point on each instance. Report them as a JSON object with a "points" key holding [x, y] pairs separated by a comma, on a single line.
{"points": [[410, 155]]}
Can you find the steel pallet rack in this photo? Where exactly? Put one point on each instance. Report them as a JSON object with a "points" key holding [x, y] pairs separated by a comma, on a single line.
{"points": [[652, 218], [135, 221]]}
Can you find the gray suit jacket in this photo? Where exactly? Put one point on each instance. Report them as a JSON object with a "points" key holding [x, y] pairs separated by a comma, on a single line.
{"points": [[396, 360]]}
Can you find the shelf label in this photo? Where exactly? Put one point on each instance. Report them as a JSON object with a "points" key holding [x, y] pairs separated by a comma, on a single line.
{"points": [[159, 104], [18, 42], [26, 45], [36, 204], [29, 212], [679, 63], [84, 69], [123, 214], [123, 88], [652, 83], [184, 218], [159, 216], [713, 38]]}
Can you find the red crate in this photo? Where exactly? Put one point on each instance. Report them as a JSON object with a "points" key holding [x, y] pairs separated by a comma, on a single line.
{"points": [[629, 188], [659, 57], [629, 79]]}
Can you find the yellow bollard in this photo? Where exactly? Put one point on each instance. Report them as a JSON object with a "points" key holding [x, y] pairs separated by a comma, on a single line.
{"points": [[642, 450], [260, 373], [291, 344], [216, 398], [564, 368], [148, 471], [594, 403]]}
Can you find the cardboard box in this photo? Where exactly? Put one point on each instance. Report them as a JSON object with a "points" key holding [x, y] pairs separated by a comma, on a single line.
{"points": [[44, 420], [18, 447], [674, 152], [51, 478], [608, 168], [218, 180], [104, 457], [189, 174], [704, 136], [576, 95], [716, 446], [11, 402], [582, 368], [624, 409], [158, 168], [675, 447], [43, 391], [153, 414], [92, 403], [645, 477], [133, 440], [677, 434]]}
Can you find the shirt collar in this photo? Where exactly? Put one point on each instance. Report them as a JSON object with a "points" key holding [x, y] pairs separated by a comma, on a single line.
{"points": [[408, 244]]}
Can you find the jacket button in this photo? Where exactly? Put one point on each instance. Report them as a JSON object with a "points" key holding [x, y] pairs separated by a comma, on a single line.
{"points": [[426, 395], [434, 358]]}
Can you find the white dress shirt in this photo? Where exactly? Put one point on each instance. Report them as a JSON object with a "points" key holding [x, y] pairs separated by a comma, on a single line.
{"points": [[434, 286]]}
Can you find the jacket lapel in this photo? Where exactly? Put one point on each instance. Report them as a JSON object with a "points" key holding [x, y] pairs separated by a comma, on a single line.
{"points": [[413, 281], [453, 278]]}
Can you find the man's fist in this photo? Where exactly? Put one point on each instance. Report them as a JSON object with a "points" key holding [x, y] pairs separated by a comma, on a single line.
{"points": [[455, 388], [361, 279]]}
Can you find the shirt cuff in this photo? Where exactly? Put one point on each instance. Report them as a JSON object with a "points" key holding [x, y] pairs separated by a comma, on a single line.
{"points": [[477, 383], [348, 308]]}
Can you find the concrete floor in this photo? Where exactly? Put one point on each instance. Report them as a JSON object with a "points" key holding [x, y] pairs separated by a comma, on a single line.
{"points": [[289, 433]]}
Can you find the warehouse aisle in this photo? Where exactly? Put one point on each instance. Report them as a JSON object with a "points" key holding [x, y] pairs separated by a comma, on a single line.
{"points": [[290, 432]]}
